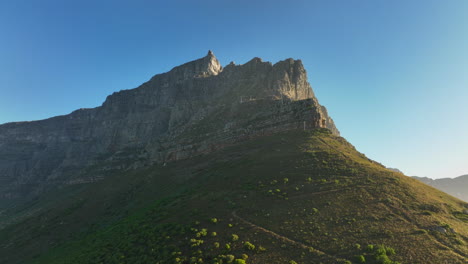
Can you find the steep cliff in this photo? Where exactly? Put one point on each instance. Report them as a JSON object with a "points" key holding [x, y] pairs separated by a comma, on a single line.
{"points": [[195, 108]]}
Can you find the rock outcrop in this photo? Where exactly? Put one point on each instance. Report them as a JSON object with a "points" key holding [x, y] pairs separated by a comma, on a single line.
{"points": [[195, 108]]}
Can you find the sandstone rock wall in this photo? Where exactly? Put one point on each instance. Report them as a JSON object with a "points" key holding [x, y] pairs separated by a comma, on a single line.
{"points": [[195, 108]]}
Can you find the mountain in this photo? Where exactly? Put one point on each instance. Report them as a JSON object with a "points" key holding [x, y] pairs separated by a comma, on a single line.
{"points": [[195, 108], [457, 187], [395, 170], [205, 164]]}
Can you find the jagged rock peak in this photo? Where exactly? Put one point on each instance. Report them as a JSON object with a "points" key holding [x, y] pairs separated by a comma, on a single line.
{"points": [[203, 67], [213, 65]]}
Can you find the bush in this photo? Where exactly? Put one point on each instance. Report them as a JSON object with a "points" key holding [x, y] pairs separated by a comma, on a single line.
{"points": [[381, 251], [203, 232], [383, 259], [239, 261], [214, 220], [360, 259], [234, 237], [249, 245], [196, 242], [230, 258], [390, 251]]}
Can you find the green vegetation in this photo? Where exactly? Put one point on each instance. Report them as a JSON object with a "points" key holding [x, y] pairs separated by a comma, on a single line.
{"points": [[246, 204], [249, 245]]}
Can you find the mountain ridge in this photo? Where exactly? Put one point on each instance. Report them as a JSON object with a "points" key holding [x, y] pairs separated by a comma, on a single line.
{"points": [[193, 109], [458, 186]]}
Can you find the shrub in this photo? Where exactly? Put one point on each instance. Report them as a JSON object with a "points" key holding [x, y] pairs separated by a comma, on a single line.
{"points": [[234, 237], [196, 242], [214, 220], [230, 258], [216, 244], [245, 257], [360, 259], [292, 262], [249, 245], [239, 261], [203, 232], [285, 180], [370, 248], [390, 251], [383, 259], [213, 234], [381, 250]]}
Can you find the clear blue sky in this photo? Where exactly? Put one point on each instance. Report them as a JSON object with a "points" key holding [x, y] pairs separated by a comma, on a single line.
{"points": [[393, 74]]}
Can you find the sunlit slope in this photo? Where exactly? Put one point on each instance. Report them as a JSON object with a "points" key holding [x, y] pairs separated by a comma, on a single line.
{"points": [[294, 197]]}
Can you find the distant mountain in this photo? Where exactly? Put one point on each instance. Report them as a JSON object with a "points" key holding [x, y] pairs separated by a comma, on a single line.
{"points": [[205, 164], [395, 170], [457, 187]]}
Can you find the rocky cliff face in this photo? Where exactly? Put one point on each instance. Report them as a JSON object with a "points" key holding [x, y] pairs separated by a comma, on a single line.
{"points": [[195, 108]]}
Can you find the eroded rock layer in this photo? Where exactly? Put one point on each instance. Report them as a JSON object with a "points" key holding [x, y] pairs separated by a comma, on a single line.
{"points": [[195, 108]]}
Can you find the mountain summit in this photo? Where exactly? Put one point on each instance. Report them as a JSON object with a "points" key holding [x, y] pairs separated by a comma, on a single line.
{"points": [[193, 109], [203, 67]]}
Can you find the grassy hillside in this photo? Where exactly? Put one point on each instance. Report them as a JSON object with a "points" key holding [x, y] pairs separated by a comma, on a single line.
{"points": [[295, 197]]}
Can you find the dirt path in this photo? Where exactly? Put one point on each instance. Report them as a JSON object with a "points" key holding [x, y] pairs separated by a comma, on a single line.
{"points": [[285, 239]]}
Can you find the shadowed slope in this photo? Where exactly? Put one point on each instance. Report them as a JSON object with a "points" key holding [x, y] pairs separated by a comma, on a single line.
{"points": [[304, 196]]}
